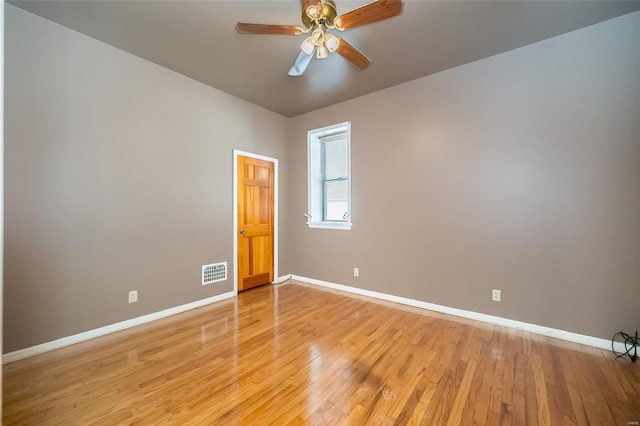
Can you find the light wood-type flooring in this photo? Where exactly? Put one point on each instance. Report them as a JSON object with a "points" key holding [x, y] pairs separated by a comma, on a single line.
{"points": [[295, 354]]}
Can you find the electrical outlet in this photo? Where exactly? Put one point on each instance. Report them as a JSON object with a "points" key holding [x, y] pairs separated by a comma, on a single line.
{"points": [[356, 272], [133, 296], [496, 295]]}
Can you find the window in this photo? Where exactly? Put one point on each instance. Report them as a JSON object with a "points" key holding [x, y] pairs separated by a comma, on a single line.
{"points": [[329, 165]]}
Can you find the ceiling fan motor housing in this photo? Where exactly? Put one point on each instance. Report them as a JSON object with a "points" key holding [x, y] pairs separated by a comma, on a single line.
{"points": [[322, 10]]}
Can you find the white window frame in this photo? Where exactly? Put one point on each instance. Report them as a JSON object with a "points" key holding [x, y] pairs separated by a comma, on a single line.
{"points": [[315, 184]]}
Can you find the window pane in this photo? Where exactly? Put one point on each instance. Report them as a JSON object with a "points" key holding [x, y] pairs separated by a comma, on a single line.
{"points": [[336, 199], [329, 174], [335, 158]]}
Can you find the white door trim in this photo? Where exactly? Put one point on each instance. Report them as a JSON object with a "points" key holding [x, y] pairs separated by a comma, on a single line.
{"points": [[236, 153]]}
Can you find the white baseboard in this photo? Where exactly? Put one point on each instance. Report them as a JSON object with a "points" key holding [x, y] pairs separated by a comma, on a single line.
{"points": [[87, 335], [533, 328], [282, 279]]}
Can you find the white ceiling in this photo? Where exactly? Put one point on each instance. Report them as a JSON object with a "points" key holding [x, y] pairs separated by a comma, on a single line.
{"points": [[197, 39]]}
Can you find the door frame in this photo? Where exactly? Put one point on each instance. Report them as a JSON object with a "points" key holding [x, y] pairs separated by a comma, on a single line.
{"points": [[237, 153]]}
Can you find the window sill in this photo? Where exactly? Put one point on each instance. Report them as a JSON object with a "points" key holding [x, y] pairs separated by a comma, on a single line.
{"points": [[344, 226]]}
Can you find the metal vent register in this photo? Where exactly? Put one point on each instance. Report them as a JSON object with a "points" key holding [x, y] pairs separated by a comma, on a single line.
{"points": [[214, 272]]}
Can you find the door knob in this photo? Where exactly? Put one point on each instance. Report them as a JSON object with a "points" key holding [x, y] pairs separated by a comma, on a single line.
{"points": [[242, 231]]}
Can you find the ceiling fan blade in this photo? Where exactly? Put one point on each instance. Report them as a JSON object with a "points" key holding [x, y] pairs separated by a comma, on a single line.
{"points": [[301, 63], [244, 28], [369, 13], [352, 55]]}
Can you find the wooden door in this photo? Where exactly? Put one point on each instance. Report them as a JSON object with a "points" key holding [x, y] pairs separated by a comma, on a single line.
{"points": [[255, 222]]}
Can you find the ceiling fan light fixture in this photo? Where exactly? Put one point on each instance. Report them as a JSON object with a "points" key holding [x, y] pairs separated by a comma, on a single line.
{"points": [[312, 11], [322, 52], [307, 46], [317, 37], [331, 42]]}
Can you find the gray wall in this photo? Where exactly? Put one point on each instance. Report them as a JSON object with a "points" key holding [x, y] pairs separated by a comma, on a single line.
{"points": [[519, 172], [118, 177]]}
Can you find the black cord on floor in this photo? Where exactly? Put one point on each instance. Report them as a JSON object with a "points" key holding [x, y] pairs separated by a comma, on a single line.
{"points": [[630, 344]]}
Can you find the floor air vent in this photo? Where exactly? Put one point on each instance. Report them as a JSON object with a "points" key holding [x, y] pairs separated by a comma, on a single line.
{"points": [[214, 272]]}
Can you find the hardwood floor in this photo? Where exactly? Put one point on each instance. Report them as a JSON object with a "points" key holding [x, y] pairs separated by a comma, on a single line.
{"points": [[294, 354]]}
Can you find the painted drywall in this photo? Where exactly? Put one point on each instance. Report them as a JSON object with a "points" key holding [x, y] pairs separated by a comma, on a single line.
{"points": [[118, 177], [520, 172]]}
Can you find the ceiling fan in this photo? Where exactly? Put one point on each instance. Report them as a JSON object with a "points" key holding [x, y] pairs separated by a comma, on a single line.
{"points": [[319, 17]]}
